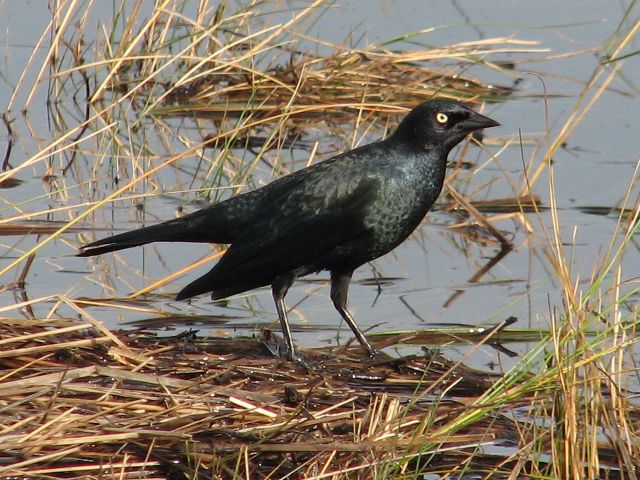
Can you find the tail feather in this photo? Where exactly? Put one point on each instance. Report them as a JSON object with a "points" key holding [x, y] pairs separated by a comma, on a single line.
{"points": [[211, 225], [201, 285], [163, 232], [219, 288], [201, 226]]}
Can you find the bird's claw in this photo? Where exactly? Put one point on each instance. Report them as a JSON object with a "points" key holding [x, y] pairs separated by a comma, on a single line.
{"points": [[300, 360]]}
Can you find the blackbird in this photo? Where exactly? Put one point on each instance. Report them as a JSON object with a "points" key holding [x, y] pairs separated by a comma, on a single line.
{"points": [[335, 215]]}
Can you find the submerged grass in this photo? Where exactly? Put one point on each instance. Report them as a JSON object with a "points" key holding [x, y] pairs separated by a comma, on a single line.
{"points": [[159, 85]]}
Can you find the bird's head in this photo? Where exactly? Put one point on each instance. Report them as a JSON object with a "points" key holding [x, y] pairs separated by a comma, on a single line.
{"points": [[439, 124]]}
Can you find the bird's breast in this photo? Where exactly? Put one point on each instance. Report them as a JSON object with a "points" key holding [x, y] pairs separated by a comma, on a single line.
{"points": [[399, 208]]}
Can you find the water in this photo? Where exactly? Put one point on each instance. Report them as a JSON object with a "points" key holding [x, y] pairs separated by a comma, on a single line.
{"points": [[430, 272]]}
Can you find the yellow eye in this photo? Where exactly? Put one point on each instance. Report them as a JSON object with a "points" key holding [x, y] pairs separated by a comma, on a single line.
{"points": [[442, 118]]}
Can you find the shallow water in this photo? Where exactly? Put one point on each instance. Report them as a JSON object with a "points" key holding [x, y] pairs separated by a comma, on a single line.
{"points": [[429, 274]]}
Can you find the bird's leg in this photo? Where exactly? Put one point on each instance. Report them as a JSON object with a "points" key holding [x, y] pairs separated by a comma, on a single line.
{"points": [[339, 290], [279, 288]]}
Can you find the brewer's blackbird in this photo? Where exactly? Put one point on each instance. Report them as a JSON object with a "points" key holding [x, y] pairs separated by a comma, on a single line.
{"points": [[335, 215]]}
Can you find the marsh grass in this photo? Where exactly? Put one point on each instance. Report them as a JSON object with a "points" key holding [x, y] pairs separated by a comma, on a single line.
{"points": [[129, 111]]}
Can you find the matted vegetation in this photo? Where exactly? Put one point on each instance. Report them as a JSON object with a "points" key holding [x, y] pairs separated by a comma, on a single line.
{"points": [[244, 92]]}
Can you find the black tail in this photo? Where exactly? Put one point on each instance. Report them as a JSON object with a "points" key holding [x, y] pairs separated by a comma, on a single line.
{"points": [[217, 224], [203, 284], [163, 232], [220, 287]]}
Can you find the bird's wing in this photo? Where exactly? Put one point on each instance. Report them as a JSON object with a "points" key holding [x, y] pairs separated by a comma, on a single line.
{"points": [[304, 226]]}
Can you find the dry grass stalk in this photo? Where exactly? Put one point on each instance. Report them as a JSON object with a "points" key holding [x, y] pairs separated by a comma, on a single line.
{"points": [[203, 402]]}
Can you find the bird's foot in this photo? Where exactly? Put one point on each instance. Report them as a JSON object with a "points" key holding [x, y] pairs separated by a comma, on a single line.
{"points": [[372, 352], [280, 349], [300, 360], [377, 356]]}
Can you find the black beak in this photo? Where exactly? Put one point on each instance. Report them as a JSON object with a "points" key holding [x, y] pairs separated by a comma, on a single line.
{"points": [[477, 122]]}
